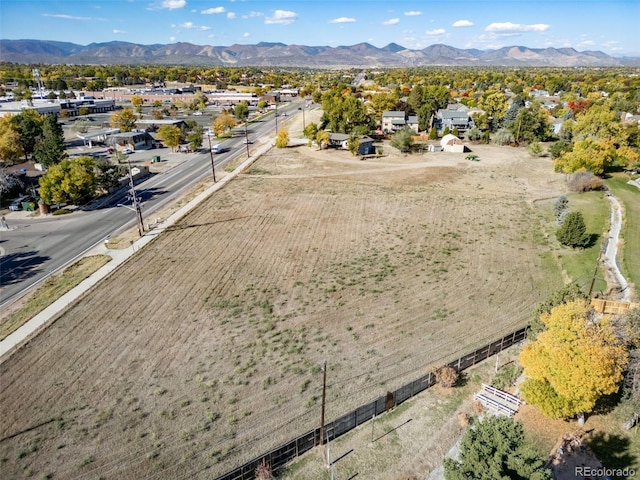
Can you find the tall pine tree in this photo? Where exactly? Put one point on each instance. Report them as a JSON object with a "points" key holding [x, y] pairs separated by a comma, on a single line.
{"points": [[49, 149]]}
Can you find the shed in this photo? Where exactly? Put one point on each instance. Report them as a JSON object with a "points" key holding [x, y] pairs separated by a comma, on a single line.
{"points": [[451, 143]]}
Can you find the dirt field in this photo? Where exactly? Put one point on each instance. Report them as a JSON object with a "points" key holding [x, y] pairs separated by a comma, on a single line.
{"points": [[204, 349]]}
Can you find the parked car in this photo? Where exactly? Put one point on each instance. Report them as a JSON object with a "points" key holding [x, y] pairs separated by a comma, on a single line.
{"points": [[127, 151]]}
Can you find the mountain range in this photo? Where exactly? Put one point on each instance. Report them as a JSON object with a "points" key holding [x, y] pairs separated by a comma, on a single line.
{"points": [[281, 55]]}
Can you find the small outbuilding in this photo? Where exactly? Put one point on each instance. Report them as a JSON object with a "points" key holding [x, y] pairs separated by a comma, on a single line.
{"points": [[451, 143]]}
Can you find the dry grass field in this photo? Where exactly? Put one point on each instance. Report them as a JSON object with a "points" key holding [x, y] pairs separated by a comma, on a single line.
{"points": [[204, 349]]}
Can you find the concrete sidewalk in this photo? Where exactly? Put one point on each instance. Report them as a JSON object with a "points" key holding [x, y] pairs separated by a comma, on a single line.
{"points": [[118, 257]]}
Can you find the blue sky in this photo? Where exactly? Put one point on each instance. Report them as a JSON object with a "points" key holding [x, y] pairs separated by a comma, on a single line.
{"points": [[607, 25]]}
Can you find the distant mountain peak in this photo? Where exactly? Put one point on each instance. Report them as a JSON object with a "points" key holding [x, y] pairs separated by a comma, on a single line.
{"points": [[393, 47]]}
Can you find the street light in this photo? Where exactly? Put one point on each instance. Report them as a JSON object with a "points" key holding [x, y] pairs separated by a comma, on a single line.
{"points": [[213, 168]]}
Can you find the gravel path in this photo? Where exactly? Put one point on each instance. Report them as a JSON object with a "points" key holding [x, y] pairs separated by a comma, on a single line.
{"points": [[615, 280]]}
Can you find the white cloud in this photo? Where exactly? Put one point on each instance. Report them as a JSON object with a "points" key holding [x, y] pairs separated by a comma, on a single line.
{"points": [[116, 31], [172, 39], [413, 13], [437, 31], [253, 15], [391, 21], [281, 17], [462, 23], [191, 26], [508, 27], [231, 15], [343, 20], [70, 17], [246, 35], [173, 4], [213, 11]]}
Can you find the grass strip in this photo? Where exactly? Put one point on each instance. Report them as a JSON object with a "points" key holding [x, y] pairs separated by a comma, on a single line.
{"points": [[52, 289]]}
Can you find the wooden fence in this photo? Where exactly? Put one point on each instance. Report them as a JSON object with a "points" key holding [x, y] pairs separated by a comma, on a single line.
{"points": [[280, 456], [610, 307]]}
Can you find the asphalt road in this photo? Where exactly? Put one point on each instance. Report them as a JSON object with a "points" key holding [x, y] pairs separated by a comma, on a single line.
{"points": [[35, 248]]}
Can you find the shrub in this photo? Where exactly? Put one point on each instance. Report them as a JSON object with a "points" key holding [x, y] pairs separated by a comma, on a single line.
{"points": [[264, 471], [474, 134], [507, 376], [560, 208], [503, 137], [535, 149], [584, 182], [446, 376]]}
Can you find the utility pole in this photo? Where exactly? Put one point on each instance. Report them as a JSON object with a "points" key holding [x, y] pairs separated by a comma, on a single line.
{"points": [[136, 204], [276, 101], [303, 122], [324, 391], [246, 135], [213, 168], [593, 279]]}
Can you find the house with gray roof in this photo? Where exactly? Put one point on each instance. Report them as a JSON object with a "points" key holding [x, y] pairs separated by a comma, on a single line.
{"points": [[454, 116], [395, 120], [365, 145]]}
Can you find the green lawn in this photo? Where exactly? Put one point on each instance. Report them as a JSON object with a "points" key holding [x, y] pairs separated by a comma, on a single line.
{"points": [[580, 263], [629, 196]]}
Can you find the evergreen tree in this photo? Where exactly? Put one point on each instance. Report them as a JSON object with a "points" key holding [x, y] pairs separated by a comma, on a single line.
{"points": [[50, 147], [572, 232], [512, 113], [495, 448]]}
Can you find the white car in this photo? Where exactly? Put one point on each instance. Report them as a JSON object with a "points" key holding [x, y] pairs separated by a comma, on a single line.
{"points": [[127, 151]]}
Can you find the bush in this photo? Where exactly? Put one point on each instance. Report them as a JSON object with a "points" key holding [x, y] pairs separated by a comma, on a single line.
{"points": [[507, 376], [474, 134], [535, 149], [560, 209], [446, 376], [584, 182], [572, 232], [503, 137], [264, 471]]}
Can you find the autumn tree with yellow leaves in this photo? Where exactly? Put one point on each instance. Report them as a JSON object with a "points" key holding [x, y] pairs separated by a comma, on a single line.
{"points": [[574, 362]]}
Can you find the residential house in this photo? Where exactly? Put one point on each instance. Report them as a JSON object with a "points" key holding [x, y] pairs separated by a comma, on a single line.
{"points": [[395, 120], [339, 140], [454, 116], [630, 118]]}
